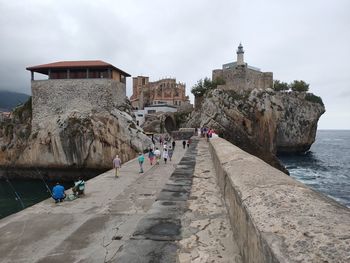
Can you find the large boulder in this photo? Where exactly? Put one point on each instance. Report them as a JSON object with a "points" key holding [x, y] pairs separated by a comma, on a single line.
{"points": [[261, 122], [72, 140]]}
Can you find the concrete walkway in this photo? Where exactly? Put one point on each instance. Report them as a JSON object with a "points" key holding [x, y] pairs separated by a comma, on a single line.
{"points": [[135, 218], [206, 230]]}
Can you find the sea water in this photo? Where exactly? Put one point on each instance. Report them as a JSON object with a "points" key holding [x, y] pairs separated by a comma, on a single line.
{"points": [[326, 167], [15, 193]]}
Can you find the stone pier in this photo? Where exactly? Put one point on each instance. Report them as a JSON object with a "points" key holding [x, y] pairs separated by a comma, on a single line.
{"points": [[171, 213], [212, 203]]}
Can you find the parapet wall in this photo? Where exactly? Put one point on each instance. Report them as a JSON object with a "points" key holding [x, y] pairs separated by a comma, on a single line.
{"points": [[275, 218], [51, 98]]}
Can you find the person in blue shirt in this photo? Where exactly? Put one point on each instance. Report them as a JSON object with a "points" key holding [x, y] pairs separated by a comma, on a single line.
{"points": [[141, 159], [58, 193]]}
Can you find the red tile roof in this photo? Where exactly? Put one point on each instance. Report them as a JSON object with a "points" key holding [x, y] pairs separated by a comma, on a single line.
{"points": [[74, 64]]}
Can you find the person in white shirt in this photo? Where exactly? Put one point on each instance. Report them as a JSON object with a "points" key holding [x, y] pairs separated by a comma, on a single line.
{"points": [[157, 154], [165, 155]]}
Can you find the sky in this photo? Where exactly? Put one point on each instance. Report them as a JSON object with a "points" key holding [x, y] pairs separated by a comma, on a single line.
{"points": [[294, 39]]}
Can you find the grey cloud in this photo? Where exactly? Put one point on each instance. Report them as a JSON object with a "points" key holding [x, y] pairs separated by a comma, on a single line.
{"points": [[184, 39]]}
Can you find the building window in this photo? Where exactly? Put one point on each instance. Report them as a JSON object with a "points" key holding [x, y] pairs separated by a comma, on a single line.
{"points": [[139, 115]]}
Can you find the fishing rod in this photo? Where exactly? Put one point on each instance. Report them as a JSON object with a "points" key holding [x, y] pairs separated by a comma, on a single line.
{"points": [[42, 178], [18, 197]]}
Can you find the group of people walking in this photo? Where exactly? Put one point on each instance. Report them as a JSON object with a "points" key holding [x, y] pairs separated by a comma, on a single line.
{"points": [[206, 132], [154, 156]]}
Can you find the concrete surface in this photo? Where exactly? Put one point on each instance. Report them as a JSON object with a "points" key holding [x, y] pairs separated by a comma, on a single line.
{"points": [[137, 218], [93, 228], [275, 218], [206, 230]]}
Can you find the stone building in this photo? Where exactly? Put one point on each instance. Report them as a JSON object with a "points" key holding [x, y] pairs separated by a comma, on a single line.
{"points": [[83, 86], [241, 76], [164, 91]]}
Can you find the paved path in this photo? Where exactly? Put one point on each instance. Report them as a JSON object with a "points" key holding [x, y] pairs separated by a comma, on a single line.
{"points": [[206, 231], [135, 218]]}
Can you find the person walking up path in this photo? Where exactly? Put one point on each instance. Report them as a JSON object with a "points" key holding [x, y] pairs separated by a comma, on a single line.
{"points": [[165, 155], [170, 153], [117, 164], [151, 156], [141, 159], [157, 154]]}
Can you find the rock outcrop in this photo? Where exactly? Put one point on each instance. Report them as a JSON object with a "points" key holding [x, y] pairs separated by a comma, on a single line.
{"points": [[73, 139], [261, 122], [160, 122]]}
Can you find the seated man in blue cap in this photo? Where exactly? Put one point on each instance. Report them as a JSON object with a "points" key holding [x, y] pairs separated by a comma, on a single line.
{"points": [[58, 193]]}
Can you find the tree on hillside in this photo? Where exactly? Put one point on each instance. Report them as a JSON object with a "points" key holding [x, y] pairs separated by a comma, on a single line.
{"points": [[206, 84], [280, 86], [299, 85]]}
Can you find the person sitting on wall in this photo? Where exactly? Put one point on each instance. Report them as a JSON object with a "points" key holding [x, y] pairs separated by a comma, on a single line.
{"points": [[79, 187], [58, 193]]}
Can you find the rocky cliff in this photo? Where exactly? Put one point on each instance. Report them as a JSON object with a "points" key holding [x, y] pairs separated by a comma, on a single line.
{"points": [[70, 140], [261, 122]]}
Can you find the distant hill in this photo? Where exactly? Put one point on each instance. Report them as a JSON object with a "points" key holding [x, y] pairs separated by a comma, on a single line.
{"points": [[9, 99]]}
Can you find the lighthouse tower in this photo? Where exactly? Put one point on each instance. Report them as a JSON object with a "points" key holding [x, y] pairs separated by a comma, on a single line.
{"points": [[240, 55]]}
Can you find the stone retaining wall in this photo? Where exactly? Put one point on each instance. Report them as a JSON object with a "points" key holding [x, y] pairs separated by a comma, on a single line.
{"points": [[275, 218], [60, 96]]}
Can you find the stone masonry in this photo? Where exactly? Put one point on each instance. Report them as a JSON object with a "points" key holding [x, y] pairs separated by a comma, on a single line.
{"points": [[240, 76], [59, 96]]}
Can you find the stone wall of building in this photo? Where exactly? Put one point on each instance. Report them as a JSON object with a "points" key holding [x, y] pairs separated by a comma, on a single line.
{"points": [[56, 97], [244, 78]]}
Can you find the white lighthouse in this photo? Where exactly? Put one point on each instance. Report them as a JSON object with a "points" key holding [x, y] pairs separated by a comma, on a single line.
{"points": [[240, 55]]}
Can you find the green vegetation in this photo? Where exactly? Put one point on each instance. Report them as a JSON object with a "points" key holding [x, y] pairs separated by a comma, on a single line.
{"points": [[279, 85], [205, 85], [24, 111], [299, 85], [296, 85], [313, 98]]}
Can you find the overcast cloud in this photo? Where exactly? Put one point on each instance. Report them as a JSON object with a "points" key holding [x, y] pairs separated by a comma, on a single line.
{"points": [[307, 40]]}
